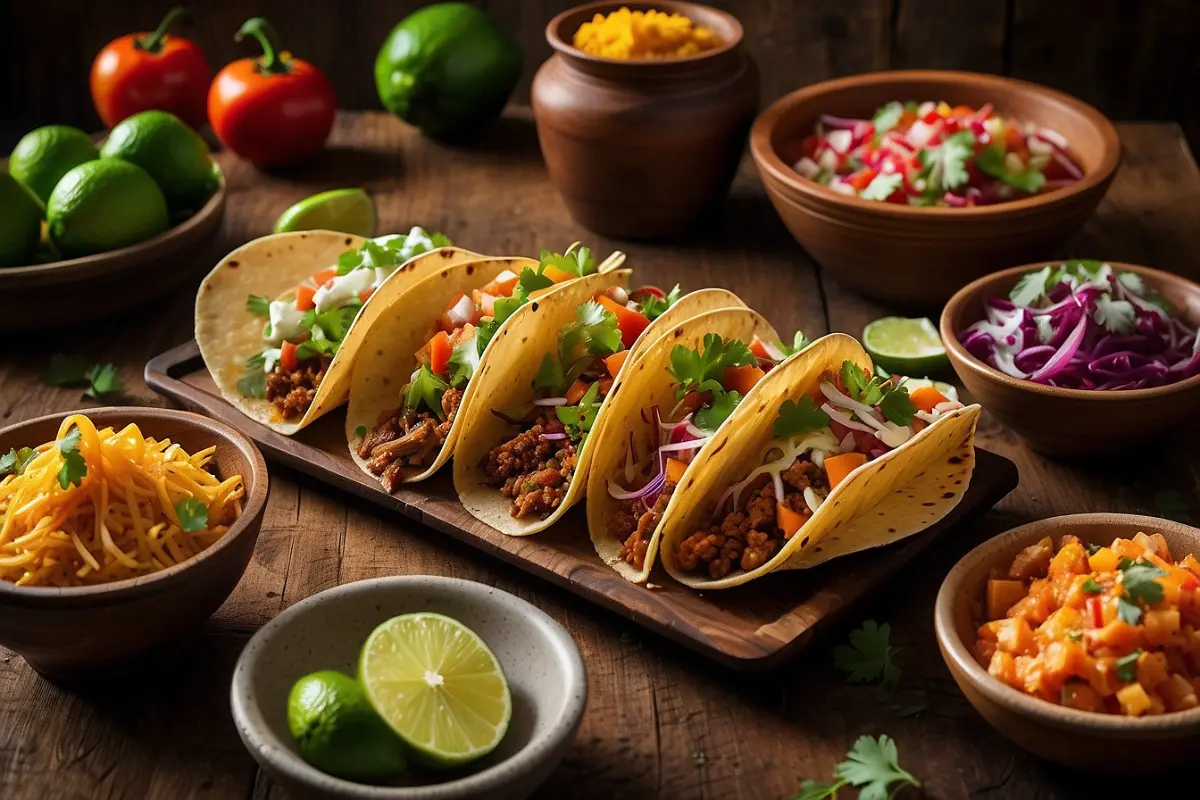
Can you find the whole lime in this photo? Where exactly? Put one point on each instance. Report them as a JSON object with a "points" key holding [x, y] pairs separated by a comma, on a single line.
{"points": [[103, 205], [20, 222], [447, 68], [45, 154], [338, 731], [174, 155]]}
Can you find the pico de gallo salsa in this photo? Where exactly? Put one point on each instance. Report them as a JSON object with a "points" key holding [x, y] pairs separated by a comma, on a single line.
{"points": [[819, 441], [1112, 629], [934, 154], [305, 327]]}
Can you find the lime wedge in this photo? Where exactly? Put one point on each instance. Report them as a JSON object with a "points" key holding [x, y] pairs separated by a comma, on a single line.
{"points": [[438, 686], [345, 210], [905, 346]]}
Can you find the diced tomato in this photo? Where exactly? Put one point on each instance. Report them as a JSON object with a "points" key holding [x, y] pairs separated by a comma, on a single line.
{"points": [[616, 361], [760, 349], [639, 294], [501, 288], [932, 117], [577, 391], [741, 379], [439, 353], [789, 521], [926, 398], [304, 297], [631, 322], [557, 275], [287, 357], [324, 276], [862, 178], [366, 294]]}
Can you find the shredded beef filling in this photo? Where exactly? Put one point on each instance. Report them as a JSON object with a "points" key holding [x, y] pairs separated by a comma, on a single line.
{"points": [[748, 538], [293, 392], [406, 440], [634, 524], [533, 472]]}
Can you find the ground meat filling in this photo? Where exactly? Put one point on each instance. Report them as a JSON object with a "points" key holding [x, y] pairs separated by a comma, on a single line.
{"points": [[406, 440], [634, 524], [293, 392], [533, 472], [748, 538]]}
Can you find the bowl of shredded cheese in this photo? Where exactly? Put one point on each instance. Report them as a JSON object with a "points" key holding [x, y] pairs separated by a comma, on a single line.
{"points": [[121, 530]]}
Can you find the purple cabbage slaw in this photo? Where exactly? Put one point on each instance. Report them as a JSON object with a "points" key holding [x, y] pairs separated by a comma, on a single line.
{"points": [[1083, 326]]}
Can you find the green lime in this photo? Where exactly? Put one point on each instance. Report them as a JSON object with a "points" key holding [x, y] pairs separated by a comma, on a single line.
{"points": [[20, 222], [103, 205], [344, 210], [338, 731], [447, 68], [438, 685], [45, 154], [905, 346], [174, 155]]}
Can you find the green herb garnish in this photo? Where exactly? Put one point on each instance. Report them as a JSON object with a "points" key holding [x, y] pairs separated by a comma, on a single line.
{"points": [[1127, 666], [580, 417], [872, 766], [991, 161], [258, 305], [800, 416], [870, 657], [15, 461], [193, 515], [653, 306], [74, 467], [426, 389]]}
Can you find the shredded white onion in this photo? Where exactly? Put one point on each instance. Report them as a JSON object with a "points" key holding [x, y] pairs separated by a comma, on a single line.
{"points": [[864, 411], [549, 402], [813, 499], [844, 418]]}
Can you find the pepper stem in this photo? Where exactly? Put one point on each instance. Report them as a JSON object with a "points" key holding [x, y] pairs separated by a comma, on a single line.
{"points": [[271, 63], [154, 42]]}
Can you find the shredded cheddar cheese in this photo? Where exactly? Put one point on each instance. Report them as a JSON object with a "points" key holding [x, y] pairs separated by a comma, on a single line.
{"points": [[142, 505], [626, 34]]}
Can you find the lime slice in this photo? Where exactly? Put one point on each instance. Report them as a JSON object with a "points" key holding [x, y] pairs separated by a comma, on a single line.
{"points": [[436, 683], [905, 346], [345, 210]]}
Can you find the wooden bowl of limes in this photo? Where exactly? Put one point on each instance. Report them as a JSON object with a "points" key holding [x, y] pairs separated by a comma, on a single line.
{"points": [[57, 291]]}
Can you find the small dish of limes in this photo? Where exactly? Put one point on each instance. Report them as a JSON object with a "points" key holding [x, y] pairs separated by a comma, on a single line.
{"points": [[388, 687]]}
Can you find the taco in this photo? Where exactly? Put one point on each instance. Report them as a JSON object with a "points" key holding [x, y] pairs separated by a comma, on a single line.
{"points": [[408, 395], [829, 459], [522, 458], [287, 361], [682, 392]]}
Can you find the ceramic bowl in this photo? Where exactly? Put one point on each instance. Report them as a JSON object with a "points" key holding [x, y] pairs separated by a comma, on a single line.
{"points": [[81, 633], [1078, 739], [917, 257], [544, 670], [1072, 422], [107, 284]]}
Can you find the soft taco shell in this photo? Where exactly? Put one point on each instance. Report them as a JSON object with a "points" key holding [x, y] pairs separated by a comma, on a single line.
{"points": [[507, 380], [894, 496], [272, 266], [389, 350], [647, 384]]}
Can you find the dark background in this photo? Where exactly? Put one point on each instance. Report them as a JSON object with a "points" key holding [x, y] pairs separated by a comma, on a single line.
{"points": [[1134, 59]]}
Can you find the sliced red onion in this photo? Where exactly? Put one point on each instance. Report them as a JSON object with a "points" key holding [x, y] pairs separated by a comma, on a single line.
{"points": [[655, 485], [553, 437], [954, 201], [848, 442], [695, 432], [1066, 163], [547, 402], [679, 447], [876, 452], [1064, 354]]}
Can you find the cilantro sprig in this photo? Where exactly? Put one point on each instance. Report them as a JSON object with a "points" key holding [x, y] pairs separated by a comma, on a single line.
{"points": [[653, 306], [253, 382], [872, 766], [1127, 666], [578, 262], [390, 251], [193, 515], [799, 342], [15, 461], [702, 371], [870, 657], [580, 417], [504, 307], [74, 467], [876, 390], [991, 161], [594, 332], [799, 416], [100, 380], [258, 305], [1139, 580], [945, 166], [426, 390]]}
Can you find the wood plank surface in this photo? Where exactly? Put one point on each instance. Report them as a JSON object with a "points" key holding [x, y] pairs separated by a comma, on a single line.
{"points": [[660, 721]]}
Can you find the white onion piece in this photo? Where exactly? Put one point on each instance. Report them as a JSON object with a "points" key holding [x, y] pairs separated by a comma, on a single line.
{"points": [[841, 187], [844, 418], [813, 499], [462, 311], [1053, 137], [840, 141], [807, 167], [1038, 146], [895, 436], [927, 417], [630, 462], [691, 444], [848, 443], [694, 431], [618, 295], [818, 458], [864, 411], [926, 107], [778, 481], [827, 160], [549, 402], [949, 405]]}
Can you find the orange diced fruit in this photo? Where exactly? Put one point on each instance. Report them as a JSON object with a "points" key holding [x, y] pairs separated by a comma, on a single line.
{"points": [[1178, 693], [1151, 669], [1133, 699], [1003, 667], [1003, 594], [1081, 696], [1161, 625], [1118, 635], [1070, 560], [1015, 636], [1104, 560]]}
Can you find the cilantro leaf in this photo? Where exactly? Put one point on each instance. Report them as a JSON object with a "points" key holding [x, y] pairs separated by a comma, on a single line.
{"points": [[15, 461], [1091, 587], [193, 515], [691, 368], [896, 406], [580, 417], [864, 389], [1169, 504], [258, 305], [578, 262], [104, 380], [1128, 612], [1117, 316], [882, 186], [253, 382], [797, 417], [335, 322], [505, 307], [799, 342], [1030, 287], [869, 657], [819, 790], [464, 360], [74, 467], [992, 161], [1139, 582], [872, 766], [1077, 270], [887, 117], [65, 370], [361, 432], [946, 164], [317, 344], [1127, 666], [1132, 281], [426, 389], [593, 332], [550, 374], [710, 416], [653, 307]]}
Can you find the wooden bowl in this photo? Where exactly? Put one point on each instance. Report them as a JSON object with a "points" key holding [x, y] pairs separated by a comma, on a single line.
{"points": [[1071, 422], [917, 257], [1078, 739], [81, 290], [88, 632]]}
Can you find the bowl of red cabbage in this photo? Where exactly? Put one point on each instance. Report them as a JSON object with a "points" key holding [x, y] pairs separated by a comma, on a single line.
{"points": [[1079, 357]]}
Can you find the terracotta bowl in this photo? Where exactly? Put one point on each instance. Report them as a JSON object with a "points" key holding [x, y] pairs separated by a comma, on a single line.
{"points": [[1072, 422], [106, 284], [917, 257], [83, 633], [1078, 739], [641, 148], [544, 670]]}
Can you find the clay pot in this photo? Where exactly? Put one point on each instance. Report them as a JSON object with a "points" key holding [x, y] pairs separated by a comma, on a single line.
{"points": [[641, 148]]}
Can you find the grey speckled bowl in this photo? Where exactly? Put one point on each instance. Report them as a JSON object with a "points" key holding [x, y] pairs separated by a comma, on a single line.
{"points": [[544, 669]]}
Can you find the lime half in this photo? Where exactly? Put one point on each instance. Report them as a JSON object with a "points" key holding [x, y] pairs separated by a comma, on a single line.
{"points": [[344, 210], [438, 686], [905, 346]]}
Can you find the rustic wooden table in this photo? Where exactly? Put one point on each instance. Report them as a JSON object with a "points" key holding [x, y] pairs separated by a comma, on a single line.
{"points": [[660, 721]]}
